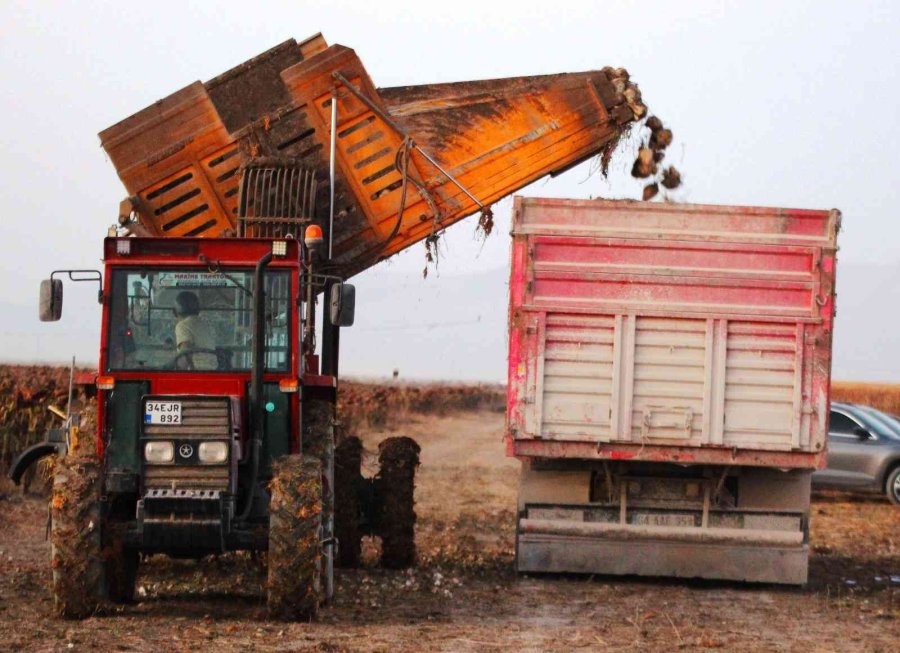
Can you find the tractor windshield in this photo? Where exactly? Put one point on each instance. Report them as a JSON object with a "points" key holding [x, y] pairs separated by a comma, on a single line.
{"points": [[187, 319]]}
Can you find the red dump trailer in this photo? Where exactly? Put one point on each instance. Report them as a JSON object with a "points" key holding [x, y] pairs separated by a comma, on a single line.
{"points": [[669, 370]]}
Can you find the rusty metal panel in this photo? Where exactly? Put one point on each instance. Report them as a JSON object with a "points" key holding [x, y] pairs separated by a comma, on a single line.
{"points": [[644, 555], [180, 158], [710, 341], [410, 161], [173, 158]]}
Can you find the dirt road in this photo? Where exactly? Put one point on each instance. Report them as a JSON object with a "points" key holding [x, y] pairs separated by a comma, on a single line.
{"points": [[463, 596]]}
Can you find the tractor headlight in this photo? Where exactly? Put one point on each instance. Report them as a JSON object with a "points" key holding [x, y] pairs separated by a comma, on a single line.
{"points": [[212, 452], [159, 452]]}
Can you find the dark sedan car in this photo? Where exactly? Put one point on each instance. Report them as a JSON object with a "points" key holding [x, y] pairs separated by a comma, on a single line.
{"points": [[863, 452]]}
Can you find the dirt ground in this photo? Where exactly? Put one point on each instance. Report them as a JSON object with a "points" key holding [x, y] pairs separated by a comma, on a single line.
{"points": [[463, 595]]}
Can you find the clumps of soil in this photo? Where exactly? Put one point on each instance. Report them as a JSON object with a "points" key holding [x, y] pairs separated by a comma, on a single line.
{"points": [[648, 163], [626, 91], [671, 178], [486, 221], [431, 253], [644, 164]]}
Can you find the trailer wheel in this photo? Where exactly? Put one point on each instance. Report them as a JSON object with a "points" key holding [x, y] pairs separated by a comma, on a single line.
{"points": [[347, 479], [76, 555], [395, 488], [295, 538]]}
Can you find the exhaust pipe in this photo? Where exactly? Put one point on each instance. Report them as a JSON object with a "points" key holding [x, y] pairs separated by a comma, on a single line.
{"points": [[257, 414]]}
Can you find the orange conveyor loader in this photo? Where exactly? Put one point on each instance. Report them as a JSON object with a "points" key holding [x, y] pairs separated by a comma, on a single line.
{"points": [[408, 161]]}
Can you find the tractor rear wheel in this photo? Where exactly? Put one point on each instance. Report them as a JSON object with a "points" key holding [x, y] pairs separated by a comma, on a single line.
{"points": [[121, 563], [395, 489], [76, 555], [347, 481], [294, 584]]}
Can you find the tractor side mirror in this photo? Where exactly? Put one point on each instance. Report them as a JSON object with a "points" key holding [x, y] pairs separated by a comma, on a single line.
{"points": [[51, 300], [342, 304]]}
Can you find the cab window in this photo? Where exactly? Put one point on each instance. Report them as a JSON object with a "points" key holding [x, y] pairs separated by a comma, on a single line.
{"points": [[188, 319]]}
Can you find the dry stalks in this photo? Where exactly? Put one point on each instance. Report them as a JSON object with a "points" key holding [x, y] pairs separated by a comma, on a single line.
{"points": [[883, 396]]}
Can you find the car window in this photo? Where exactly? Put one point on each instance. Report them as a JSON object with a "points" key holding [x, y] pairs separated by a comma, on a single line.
{"points": [[882, 422], [842, 424]]}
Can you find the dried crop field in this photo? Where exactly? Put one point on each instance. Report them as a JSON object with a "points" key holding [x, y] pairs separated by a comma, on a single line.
{"points": [[26, 393], [883, 396], [463, 594]]}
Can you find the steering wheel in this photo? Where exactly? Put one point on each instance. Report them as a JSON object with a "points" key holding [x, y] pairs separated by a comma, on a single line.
{"points": [[223, 358]]}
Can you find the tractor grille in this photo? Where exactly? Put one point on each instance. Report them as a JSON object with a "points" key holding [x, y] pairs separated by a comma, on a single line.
{"points": [[201, 419]]}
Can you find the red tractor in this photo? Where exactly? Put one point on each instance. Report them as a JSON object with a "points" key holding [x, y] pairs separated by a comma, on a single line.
{"points": [[216, 425]]}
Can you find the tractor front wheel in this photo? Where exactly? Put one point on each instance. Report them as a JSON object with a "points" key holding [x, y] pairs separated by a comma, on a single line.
{"points": [[76, 554], [294, 584]]}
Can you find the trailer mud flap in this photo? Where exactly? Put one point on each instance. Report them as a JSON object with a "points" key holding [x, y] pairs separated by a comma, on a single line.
{"points": [[764, 556]]}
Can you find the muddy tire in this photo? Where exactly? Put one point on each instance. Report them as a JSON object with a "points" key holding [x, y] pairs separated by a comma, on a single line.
{"points": [[395, 489], [347, 479], [76, 555], [294, 586]]}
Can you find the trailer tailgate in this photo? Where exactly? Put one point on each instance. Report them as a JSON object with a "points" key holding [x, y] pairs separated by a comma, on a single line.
{"points": [[670, 332]]}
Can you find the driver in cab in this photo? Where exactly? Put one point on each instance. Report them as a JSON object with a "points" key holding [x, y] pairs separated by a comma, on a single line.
{"points": [[193, 336]]}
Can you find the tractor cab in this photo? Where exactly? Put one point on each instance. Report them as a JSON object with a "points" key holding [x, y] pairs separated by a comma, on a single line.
{"points": [[201, 366]]}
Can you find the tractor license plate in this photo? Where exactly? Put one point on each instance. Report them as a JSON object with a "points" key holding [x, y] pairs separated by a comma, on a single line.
{"points": [[663, 519], [162, 412]]}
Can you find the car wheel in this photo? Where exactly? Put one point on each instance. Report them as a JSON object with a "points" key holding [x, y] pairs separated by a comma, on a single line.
{"points": [[893, 486]]}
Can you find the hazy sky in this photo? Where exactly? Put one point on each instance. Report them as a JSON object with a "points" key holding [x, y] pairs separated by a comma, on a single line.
{"points": [[772, 103]]}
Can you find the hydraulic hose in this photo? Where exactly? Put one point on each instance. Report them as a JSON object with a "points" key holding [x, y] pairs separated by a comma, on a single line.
{"points": [[257, 412]]}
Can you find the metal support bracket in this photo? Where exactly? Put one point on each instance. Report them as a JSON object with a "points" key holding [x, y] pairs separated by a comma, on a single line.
{"points": [[94, 275], [390, 122]]}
